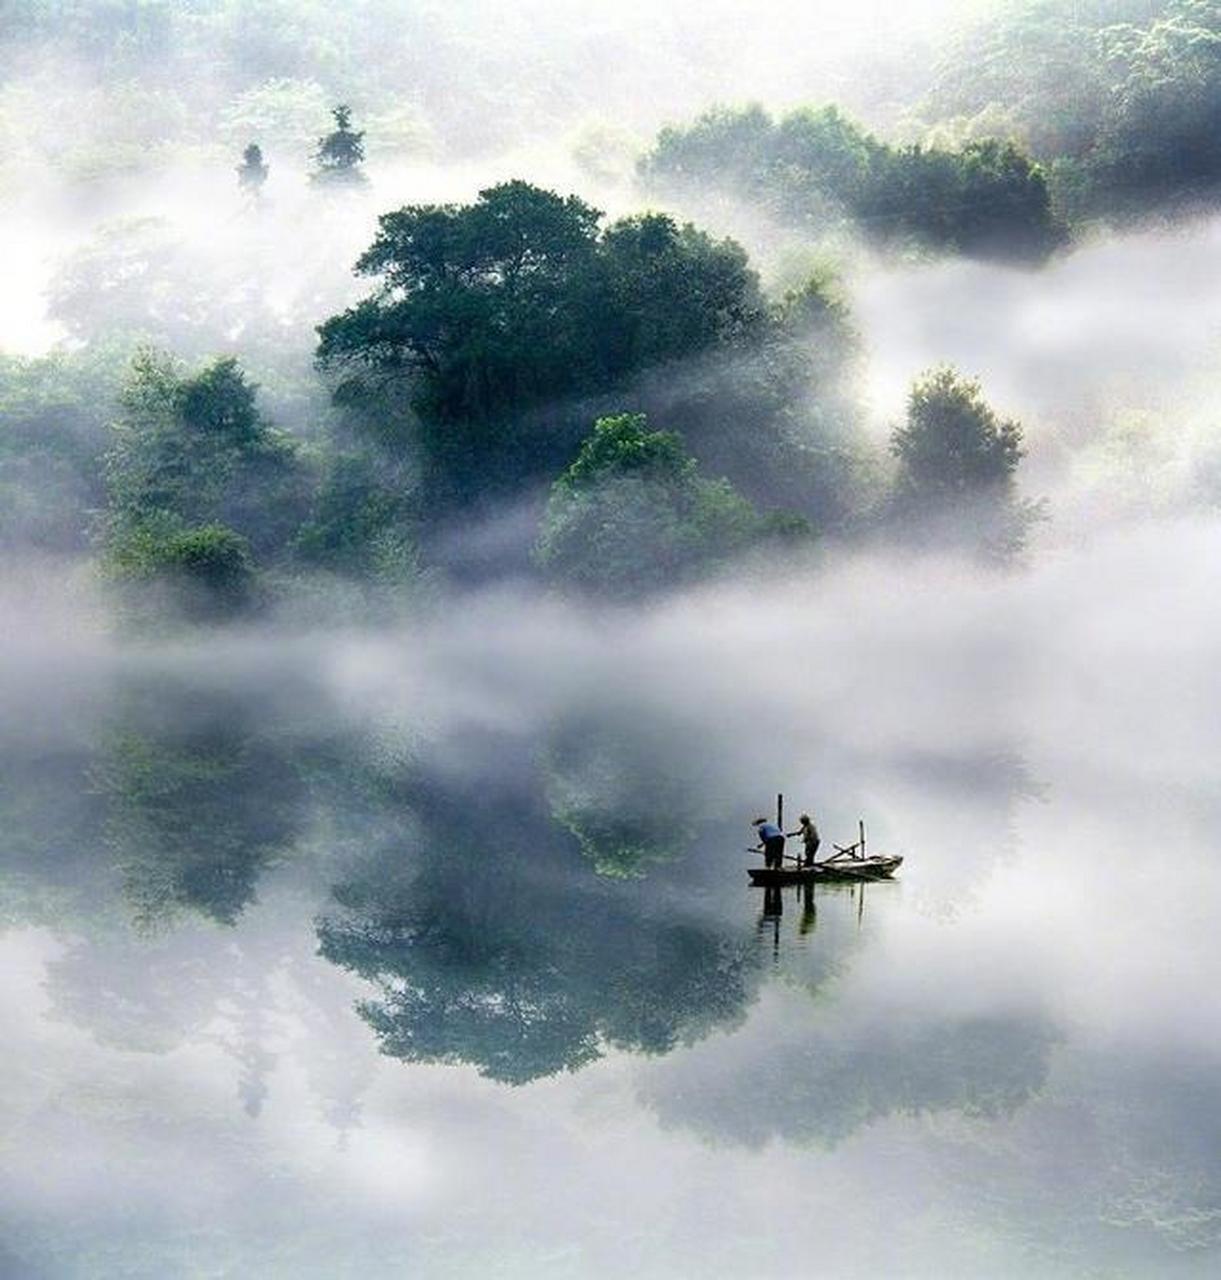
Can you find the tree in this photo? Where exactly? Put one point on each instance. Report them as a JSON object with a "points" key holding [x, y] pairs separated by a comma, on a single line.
{"points": [[207, 569], [252, 172], [53, 427], [957, 465], [360, 523], [632, 513], [197, 483], [818, 169], [507, 324], [480, 306], [340, 153], [1158, 137]]}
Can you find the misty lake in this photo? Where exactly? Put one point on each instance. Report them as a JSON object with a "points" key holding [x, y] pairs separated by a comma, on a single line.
{"points": [[429, 950]]}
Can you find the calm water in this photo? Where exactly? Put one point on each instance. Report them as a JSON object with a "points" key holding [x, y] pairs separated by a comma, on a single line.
{"points": [[430, 951]]}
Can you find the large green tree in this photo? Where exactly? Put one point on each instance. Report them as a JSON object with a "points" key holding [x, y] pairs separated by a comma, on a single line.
{"points": [[507, 324], [956, 482]]}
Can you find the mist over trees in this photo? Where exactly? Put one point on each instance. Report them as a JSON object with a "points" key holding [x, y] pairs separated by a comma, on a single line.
{"points": [[340, 153], [495, 333], [500, 329], [957, 468], [498, 332], [634, 512], [199, 487], [817, 169], [252, 173], [1118, 98]]}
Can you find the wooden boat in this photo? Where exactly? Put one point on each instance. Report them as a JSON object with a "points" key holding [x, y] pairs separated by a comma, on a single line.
{"points": [[874, 867]]}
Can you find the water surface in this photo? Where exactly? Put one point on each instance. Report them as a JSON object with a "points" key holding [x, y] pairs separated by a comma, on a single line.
{"points": [[429, 950]]}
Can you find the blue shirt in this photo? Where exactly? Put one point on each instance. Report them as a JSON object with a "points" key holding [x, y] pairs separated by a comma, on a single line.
{"points": [[768, 831]]}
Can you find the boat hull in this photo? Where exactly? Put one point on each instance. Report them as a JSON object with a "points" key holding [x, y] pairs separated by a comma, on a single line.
{"points": [[878, 867]]}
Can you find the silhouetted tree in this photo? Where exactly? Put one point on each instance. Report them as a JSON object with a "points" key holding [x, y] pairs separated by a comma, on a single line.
{"points": [[340, 153], [956, 480], [252, 172]]}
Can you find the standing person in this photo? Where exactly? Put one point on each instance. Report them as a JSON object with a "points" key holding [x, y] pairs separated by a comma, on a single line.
{"points": [[810, 838], [771, 841]]}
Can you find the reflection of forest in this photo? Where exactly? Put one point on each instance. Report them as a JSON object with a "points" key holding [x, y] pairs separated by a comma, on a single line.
{"points": [[823, 1078], [517, 908], [523, 911], [492, 943]]}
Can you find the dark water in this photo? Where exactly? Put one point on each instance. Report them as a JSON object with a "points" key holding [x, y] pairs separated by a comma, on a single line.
{"points": [[431, 952]]}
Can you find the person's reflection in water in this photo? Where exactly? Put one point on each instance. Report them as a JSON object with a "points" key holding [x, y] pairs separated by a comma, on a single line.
{"points": [[809, 912], [773, 910]]}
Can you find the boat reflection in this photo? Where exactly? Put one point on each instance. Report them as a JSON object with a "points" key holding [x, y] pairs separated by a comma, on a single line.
{"points": [[803, 900]]}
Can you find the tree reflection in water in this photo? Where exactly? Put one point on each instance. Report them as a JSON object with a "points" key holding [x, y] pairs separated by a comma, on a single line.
{"points": [[492, 943]]}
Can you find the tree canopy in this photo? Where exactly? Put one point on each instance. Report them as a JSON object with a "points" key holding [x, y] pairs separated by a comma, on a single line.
{"points": [[816, 168], [196, 480], [957, 466], [500, 315], [499, 329], [340, 153], [633, 512], [1117, 97]]}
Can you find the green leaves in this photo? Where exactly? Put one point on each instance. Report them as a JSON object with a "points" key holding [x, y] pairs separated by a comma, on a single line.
{"points": [[956, 482], [818, 169], [197, 483], [493, 314], [633, 514], [340, 153]]}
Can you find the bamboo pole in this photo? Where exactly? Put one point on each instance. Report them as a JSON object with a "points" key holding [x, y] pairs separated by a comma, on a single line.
{"points": [[780, 810]]}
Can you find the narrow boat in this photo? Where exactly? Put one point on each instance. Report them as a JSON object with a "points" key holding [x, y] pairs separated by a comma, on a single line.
{"points": [[874, 867]]}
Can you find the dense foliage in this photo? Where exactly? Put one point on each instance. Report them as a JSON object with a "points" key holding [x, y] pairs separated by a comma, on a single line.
{"points": [[53, 415], [197, 482], [498, 329], [633, 512], [1118, 97], [817, 168], [956, 481]]}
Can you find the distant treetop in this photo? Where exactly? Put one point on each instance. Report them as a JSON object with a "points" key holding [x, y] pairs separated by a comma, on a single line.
{"points": [[340, 152], [252, 172]]}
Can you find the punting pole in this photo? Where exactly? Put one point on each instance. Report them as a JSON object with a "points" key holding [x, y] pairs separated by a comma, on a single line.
{"points": [[780, 810], [861, 824]]}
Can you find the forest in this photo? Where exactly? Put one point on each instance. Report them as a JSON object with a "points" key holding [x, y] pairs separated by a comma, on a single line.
{"points": [[628, 387]]}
